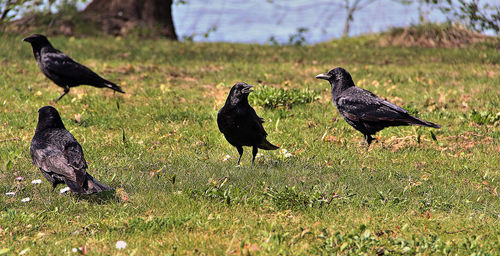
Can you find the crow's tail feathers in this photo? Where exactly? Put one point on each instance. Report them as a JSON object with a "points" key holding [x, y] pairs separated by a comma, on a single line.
{"points": [[94, 186], [113, 86], [267, 145], [74, 186], [418, 121], [90, 185]]}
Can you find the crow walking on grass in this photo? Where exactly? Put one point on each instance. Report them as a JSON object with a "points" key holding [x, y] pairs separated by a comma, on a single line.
{"points": [[363, 110], [240, 124], [59, 156], [62, 70]]}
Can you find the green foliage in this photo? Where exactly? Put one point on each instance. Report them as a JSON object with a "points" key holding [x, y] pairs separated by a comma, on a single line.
{"points": [[326, 194], [411, 108], [270, 97], [471, 13], [365, 241], [24, 8], [292, 198], [484, 117], [10, 8], [206, 34], [298, 38], [48, 17], [218, 191], [181, 2], [155, 224], [358, 242], [479, 18]]}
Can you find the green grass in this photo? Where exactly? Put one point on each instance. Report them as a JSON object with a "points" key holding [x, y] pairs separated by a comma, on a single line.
{"points": [[176, 195]]}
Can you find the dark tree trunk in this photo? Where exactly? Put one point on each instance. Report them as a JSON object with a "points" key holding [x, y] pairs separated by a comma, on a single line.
{"points": [[119, 16]]}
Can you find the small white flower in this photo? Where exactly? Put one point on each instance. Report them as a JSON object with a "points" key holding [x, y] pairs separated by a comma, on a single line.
{"points": [[64, 190], [23, 252], [74, 250], [121, 245], [283, 153], [36, 181], [259, 155], [226, 157], [10, 193], [25, 200], [20, 178]]}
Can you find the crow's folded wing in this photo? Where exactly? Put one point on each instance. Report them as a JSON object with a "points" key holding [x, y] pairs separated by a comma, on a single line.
{"points": [[255, 122], [366, 106], [63, 66], [69, 162]]}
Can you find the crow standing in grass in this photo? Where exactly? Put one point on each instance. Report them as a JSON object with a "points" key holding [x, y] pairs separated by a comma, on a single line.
{"points": [[59, 156], [363, 110], [240, 124], [62, 70]]}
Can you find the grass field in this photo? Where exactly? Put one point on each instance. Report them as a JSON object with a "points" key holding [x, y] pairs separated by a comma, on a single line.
{"points": [[159, 146]]}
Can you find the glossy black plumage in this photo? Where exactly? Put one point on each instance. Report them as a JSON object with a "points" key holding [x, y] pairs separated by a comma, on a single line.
{"points": [[363, 110], [62, 70], [240, 124], [59, 156]]}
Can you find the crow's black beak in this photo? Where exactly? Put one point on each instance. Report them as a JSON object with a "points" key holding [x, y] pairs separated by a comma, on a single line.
{"points": [[323, 76], [27, 39], [247, 89]]}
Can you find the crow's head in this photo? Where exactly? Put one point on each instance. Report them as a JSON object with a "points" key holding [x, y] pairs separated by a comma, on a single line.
{"points": [[337, 76], [48, 117], [37, 40], [240, 92]]}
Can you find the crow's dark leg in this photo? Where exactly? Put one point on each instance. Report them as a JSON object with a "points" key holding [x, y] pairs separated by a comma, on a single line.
{"points": [[54, 185], [240, 151], [254, 153], [368, 139], [49, 178], [66, 90]]}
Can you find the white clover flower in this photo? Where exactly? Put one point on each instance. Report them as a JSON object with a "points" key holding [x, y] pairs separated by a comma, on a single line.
{"points": [[74, 250], [226, 157], [64, 190], [25, 200], [259, 155], [284, 153], [20, 178], [36, 181], [10, 193], [121, 245]]}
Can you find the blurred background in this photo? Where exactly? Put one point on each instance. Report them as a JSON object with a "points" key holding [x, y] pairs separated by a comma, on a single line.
{"points": [[259, 21]]}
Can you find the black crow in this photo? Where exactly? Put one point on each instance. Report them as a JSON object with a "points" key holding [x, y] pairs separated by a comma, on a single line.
{"points": [[59, 156], [61, 69], [240, 124], [363, 110]]}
